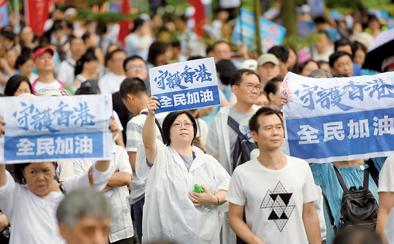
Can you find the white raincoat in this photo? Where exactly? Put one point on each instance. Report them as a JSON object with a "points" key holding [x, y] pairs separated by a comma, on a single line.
{"points": [[168, 211]]}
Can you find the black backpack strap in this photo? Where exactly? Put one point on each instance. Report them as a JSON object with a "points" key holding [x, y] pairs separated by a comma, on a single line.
{"points": [[373, 170], [340, 179], [366, 179], [329, 212], [235, 126], [157, 124]]}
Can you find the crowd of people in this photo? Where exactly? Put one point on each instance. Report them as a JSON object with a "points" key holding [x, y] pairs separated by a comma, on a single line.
{"points": [[179, 176]]}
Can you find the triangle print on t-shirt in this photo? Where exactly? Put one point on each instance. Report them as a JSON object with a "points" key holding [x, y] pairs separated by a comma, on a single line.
{"points": [[281, 205]]}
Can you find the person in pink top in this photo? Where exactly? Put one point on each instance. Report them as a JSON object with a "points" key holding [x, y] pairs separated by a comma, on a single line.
{"points": [[43, 59]]}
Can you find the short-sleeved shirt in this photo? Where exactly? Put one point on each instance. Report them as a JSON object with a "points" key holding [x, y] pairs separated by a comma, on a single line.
{"points": [[133, 141], [274, 199]]}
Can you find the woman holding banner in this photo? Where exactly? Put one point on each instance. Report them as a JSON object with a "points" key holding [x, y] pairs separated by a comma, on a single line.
{"points": [[31, 202], [173, 210]]}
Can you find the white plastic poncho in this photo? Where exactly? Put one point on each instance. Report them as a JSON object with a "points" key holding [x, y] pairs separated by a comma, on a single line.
{"points": [[168, 211]]}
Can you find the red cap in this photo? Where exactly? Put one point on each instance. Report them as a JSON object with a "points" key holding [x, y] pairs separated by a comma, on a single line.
{"points": [[39, 52]]}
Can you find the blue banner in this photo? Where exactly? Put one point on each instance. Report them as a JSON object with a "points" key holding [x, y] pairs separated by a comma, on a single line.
{"points": [[51, 128], [339, 118], [186, 85]]}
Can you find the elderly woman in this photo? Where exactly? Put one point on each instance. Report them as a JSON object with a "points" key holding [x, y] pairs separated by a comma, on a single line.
{"points": [[30, 202], [173, 210]]}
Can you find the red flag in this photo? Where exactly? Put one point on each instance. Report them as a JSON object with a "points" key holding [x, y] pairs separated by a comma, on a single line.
{"points": [[36, 13], [124, 26], [199, 16]]}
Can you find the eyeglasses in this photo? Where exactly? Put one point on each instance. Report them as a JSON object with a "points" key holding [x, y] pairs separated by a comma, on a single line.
{"points": [[180, 125]]}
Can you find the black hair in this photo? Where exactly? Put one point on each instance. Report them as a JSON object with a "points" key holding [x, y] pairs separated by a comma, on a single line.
{"points": [[13, 84], [336, 55], [281, 52], [169, 120], [18, 172], [137, 24], [88, 87], [226, 70], [86, 36], [342, 42], [132, 86], [57, 25], [72, 38], [263, 111], [195, 57], [320, 20], [302, 66], [26, 55], [208, 49], [237, 77], [130, 58], [87, 57], [156, 48], [8, 34], [109, 55], [218, 43], [357, 46], [272, 87], [176, 44]]}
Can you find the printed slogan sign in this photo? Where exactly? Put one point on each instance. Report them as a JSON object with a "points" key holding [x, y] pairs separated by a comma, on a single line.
{"points": [[52, 128], [186, 85], [339, 118]]}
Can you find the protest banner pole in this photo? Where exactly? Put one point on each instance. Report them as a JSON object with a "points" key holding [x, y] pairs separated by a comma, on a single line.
{"points": [[257, 10], [16, 6]]}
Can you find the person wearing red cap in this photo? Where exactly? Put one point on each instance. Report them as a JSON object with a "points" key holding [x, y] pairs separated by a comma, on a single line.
{"points": [[43, 59]]}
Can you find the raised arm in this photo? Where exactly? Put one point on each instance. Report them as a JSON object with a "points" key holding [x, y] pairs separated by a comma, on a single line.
{"points": [[149, 131]]}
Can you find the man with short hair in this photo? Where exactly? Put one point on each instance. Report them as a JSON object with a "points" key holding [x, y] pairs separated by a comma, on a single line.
{"points": [[66, 68], [111, 81], [281, 209], [134, 66], [221, 50], [246, 87], [43, 59], [341, 64], [135, 97], [282, 54], [222, 139], [84, 216], [267, 67]]}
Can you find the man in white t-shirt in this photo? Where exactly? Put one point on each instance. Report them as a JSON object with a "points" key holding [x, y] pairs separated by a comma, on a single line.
{"points": [[43, 59], [275, 191], [385, 222], [110, 82], [67, 67]]}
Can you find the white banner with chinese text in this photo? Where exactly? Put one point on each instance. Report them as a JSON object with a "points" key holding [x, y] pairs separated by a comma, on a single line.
{"points": [[333, 119], [187, 85], [41, 129]]}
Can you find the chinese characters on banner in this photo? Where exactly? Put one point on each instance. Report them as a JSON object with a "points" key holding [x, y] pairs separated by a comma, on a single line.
{"points": [[186, 85], [53, 128], [339, 118]]}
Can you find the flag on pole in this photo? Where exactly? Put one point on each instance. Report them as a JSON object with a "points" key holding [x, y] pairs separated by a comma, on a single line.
{"points": [[124, 25], [36, 13], [199, 16]]}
